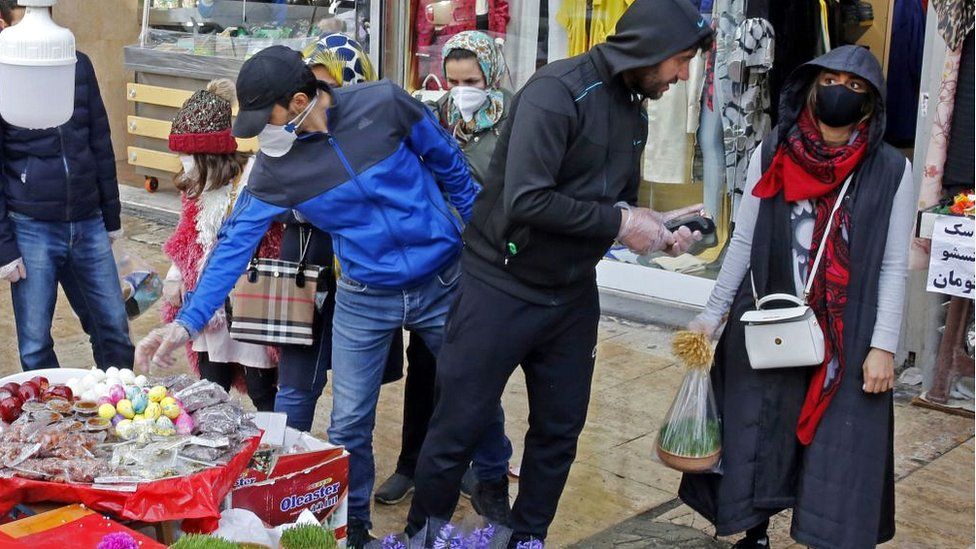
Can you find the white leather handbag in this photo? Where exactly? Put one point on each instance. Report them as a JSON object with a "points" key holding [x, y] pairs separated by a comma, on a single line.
{"points": [[790, 337]]}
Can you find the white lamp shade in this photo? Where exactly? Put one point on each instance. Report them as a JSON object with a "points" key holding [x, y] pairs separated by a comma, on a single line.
{"points": [[37, 70]]}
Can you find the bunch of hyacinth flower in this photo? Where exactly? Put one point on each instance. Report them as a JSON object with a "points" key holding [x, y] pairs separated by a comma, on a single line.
{"points": [[450, 537]]}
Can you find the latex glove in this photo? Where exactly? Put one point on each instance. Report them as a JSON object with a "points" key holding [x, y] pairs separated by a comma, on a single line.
{"points": [[113, 236], [173, 292], [642, 231], [14, 271], [684, 238], [704, 324], [157, 348], [879, 371], [218, 321]]}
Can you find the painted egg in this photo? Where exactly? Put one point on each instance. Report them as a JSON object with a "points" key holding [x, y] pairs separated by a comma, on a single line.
{"points": [[124, 407], [164, 426], [116, 393], [171, 410], [131, 392], [125, 428], [167, 400], [106, 411], [184, 424], [117, 419], [141, 381], [152, 411], [112, 371], [104, 400], [157, 393], [139, 403]]}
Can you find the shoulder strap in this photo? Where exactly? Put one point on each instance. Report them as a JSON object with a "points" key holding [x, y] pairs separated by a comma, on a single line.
{"points": [[769, 145], [826, 235]]}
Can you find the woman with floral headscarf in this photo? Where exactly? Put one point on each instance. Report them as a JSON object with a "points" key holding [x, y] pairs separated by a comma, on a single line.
{"points": [[476, 104], [473, 112]]}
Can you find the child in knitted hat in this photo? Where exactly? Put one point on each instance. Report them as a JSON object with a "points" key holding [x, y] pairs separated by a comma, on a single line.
{"points": [[213, 176]]}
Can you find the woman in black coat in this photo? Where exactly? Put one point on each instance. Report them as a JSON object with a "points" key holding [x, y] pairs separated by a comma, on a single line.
{"points": [[815, 439]]}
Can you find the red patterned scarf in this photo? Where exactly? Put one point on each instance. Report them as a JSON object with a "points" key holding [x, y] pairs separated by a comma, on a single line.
{"points": [[805, 167], [828, 298]]}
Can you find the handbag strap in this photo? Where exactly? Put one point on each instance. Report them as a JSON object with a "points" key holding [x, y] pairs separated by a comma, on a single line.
{"points": [[823, 242], [820, 249]]}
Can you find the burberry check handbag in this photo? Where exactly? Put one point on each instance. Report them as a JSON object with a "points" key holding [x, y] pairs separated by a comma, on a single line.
{"points": [[273, 302]]}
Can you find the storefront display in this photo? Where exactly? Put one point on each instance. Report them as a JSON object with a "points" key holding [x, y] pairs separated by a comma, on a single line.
{"points": [[702, 132], [186, 43]]}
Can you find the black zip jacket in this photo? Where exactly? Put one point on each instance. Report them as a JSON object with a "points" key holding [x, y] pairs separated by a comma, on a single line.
{"points": [[571, 150]]}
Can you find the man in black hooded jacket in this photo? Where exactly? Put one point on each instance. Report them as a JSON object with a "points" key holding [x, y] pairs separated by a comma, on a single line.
{"points": [[560, 189]]}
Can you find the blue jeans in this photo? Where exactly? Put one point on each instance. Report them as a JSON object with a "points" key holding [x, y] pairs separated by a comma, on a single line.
{"points": [[78, 255], [362, 330]]}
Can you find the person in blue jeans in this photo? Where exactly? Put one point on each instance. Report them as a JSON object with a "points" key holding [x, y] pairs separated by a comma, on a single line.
{"points": [[366, 164], [59, 214]]}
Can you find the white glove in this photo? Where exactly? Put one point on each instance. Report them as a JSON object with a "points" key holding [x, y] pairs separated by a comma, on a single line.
{"points": [[705, 324], [157, 347], [218, 321], [113, 236], [643, 231], [14, 271], [173, 292]]}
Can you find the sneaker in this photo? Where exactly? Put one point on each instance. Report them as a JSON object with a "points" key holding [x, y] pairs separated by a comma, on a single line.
{"points": [[752, 543], [468, 483], [490, 500], [394, 489], [357, 535]]}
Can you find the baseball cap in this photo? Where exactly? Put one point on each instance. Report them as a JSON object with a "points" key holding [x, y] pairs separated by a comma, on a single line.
{"points": [[266, 77]]}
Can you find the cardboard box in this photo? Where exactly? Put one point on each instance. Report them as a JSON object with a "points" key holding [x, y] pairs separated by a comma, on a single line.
{"points": [[315, 478]]}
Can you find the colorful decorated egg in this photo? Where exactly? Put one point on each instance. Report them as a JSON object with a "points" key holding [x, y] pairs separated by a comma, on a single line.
{"points": [[157, 393], [124, 407], [153, 411], [171, 410], [104, 400], [117, 419], [164, 426], [106, 411], [132, 391], [184, 424], [125, 428], [139, 403], [116, 393]]}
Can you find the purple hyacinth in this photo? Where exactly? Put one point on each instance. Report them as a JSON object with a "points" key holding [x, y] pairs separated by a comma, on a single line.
{"points": [[392, 542], [481, 538], [531, 544], [118, 540]]}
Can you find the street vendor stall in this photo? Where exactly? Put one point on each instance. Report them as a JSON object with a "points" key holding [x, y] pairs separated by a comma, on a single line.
{"points": [[184, 44]]}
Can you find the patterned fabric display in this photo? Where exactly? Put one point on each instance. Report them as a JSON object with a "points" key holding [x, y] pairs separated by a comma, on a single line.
{"points": [[343, 57], [955, 20]]}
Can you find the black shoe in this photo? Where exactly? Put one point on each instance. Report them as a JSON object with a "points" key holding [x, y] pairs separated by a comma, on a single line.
{"points": [[468, 483], [490, 500], [752, 543], [357, 535], [394, 489]]}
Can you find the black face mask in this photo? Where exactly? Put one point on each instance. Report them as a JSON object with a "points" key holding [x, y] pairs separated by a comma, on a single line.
{"points": [[839, 106]]}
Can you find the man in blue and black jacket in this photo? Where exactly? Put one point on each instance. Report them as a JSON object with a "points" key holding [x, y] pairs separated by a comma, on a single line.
{"points": [[59, 212], [561, 186], [366, 164]]}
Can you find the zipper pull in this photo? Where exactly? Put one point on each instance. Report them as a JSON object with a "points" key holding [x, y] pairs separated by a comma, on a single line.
{"points": [[512, 251]]}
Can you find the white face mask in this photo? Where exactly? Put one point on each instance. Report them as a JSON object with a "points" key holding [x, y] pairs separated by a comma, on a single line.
{"points": [[276, 141], [468, 100], [189, 165]]}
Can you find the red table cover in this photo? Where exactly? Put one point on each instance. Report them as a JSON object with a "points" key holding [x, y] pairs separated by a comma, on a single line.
{"points": [[195, 498]]}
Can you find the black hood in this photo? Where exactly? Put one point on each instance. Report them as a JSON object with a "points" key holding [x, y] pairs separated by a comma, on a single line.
{"points": [[853, 59], [651, 31]]}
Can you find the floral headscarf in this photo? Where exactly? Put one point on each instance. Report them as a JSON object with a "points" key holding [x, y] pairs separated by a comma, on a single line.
{"points": [[343, 57], [493, 67]]}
